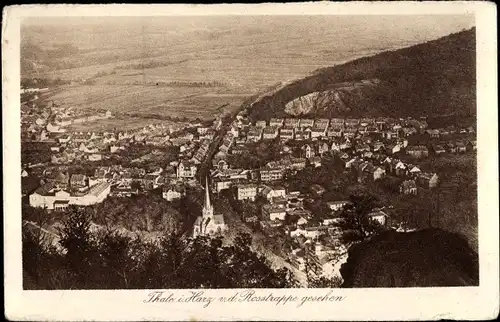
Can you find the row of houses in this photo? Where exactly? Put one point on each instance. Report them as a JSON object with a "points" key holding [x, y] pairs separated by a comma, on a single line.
{"points": [[342, 123]]}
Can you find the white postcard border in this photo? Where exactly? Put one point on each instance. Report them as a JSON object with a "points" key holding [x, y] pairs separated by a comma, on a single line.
{"points": [[359, 304]]}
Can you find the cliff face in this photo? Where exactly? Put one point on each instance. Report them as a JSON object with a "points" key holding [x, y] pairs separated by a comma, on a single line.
{"points": [[334, 100], [423, 258], [429, 79]]}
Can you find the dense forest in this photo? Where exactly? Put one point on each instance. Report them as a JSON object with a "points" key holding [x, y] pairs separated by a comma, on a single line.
{"points": [[434, 78], [85, 258]]}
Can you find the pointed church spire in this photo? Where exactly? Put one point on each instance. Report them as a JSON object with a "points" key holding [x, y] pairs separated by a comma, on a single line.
{"points": [[208, 210], [207, 195]]}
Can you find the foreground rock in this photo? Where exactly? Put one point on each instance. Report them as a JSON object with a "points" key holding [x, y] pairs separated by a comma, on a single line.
{"points": [[429, 257]]}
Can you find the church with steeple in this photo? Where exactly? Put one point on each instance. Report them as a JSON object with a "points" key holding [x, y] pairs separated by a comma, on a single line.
{"points": [[208, 224]]}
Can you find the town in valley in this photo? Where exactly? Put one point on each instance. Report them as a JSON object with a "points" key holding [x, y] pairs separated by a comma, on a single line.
{"points": [[290, 181]]}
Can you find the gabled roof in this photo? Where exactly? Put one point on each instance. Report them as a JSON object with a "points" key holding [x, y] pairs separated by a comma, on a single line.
{"points": [[98, 188], [77, 177]]}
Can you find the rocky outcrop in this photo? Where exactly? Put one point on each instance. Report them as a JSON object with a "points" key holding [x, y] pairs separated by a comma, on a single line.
{"points": [[333, 99], [430, 257]]}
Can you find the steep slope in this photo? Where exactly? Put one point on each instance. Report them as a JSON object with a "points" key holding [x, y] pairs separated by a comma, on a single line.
{"points": [[429, 257], [429, 79]]}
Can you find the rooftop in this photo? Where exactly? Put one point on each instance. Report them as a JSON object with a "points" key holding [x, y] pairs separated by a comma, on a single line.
{"points": [[97, 189]]}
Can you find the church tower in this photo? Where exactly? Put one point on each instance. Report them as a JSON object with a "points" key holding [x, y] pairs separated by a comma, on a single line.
{"points": [[208, 210]]}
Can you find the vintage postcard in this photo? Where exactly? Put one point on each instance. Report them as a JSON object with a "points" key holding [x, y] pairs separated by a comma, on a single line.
{"points": [[274, 162]]}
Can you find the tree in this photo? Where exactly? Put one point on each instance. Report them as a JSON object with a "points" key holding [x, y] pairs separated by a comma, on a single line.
{"points": [[106, 259], [355, 222], [79, 243], [118, 265]]}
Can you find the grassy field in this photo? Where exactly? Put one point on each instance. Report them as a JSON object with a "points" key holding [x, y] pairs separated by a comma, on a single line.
{"points": [[192, 102]]}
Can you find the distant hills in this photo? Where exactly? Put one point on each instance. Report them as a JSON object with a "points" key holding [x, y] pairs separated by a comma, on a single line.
{"points": [[430, 257], [436, 78]]}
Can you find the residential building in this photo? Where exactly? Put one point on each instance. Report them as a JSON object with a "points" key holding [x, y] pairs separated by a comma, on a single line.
{"points": [[352, 123], [202, 130], [337, 205], [270, 133], [378, 216], [428, 180], [378, 146], [408, 187], [378, 173], [301, 135], [123, 191], [317, 190], [414, 170], [287, 133], [246, 191], [276, 122], [433, 133], [391, 134], [315, 161], [186, 169], [220, 164], [417, 151], [303, 123], [270, 174], [78, 181], [261, 124], [461, 147], [334, 132], [270, 192], [321, 123], [360, 148], [297, 163], [291, 122], [273, 212], [308, 151], [400, 169], [254, 134], [419, 124], [439, 149], [366, 122], [451, 147], [409, 131], [472, 145], [95, 157], [350, 132], [337, 123], [222, 184], [323, 148], [318, 132], [173, 192]]}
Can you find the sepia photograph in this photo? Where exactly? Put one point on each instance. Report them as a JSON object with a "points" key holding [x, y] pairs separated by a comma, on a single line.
{"points": [[248, 152]]}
